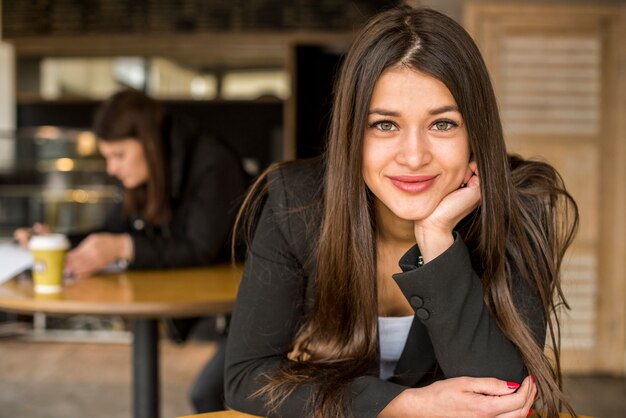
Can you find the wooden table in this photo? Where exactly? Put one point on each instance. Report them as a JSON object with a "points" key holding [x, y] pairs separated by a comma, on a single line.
{"points": [[142, 296], [222, 414], [236, 414]]}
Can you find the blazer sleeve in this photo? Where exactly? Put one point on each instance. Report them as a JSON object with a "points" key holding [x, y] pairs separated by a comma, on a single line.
{"points": [[270, 305], [447, 297], [202, 222]]}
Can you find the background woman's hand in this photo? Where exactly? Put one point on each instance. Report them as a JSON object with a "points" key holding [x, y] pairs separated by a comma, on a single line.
{"points": [[23, 235], [434, 234], [94, 253], [464, 397]]}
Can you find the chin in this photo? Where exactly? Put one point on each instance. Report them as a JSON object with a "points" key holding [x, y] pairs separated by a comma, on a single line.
{"points": [[412, 213], [133, 184], [130, 184]]}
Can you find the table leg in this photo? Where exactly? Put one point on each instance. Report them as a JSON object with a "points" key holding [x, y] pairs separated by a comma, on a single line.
{"points": [[145, 368]]}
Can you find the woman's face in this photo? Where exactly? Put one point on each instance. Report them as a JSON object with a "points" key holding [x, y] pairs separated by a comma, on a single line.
{"points": [[125, 160], [416, 149]]}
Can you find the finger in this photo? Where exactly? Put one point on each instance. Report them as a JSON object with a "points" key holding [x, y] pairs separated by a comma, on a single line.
{"points": [[74, 260], [507, 406], [523, 412], [18, 233], [70, 265], [532, 391], [503, 405], [81, 274], [22, 236], [527, 386], [468, 175], [72, 255], [78, 270], [474, 181], [473, 167], [526, 392], [492, 386], [41, 229]]}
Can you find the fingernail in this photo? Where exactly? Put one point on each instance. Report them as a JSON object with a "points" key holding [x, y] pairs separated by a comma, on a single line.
{"points": [[512, 385], [532, 377], [530, 412]]}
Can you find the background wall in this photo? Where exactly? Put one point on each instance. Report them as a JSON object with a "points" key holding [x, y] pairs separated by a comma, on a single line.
{"points": [[7, 101]]}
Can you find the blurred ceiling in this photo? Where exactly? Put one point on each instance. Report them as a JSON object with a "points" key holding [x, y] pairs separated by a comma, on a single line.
{"points": [[197, 52]]}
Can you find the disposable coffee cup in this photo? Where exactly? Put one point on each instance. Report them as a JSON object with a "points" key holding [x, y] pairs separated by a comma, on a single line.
{"points": [[48, 261]]}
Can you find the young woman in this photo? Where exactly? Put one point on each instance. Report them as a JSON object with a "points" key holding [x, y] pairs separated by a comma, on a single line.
{"points": [[415, 174]]}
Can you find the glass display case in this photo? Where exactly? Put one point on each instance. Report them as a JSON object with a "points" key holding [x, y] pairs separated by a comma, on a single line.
{"points": [[53, 175]]}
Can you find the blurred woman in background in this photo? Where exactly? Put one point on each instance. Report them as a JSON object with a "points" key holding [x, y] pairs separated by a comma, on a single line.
{"points": [[181, 192], [181, 189]]}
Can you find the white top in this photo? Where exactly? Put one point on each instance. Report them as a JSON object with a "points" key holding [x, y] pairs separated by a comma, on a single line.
{"points": [[392, 334]]}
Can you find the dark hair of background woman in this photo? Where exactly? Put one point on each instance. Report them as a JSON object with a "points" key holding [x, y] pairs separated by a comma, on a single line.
{"points": [[132, 114], [525, 222]]}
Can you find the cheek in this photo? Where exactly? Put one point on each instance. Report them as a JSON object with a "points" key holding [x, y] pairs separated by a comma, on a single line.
{"points": [[375, 156], [370, 166], [140, 165], [455, 156]]}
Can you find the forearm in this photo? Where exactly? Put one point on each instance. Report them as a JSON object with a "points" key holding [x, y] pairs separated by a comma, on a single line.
{"points": [[447, 297]]}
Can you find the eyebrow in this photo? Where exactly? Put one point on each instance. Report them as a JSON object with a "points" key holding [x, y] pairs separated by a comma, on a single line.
{"points": [[436, 111], [444, 109], [383, 112]]}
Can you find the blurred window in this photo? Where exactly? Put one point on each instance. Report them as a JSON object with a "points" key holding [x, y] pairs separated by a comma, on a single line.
{"points": [[97, 78], [250, 85]]}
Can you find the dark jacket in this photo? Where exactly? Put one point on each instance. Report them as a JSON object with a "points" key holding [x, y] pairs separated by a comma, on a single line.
{"points": [[206, 183], [452, 334]]}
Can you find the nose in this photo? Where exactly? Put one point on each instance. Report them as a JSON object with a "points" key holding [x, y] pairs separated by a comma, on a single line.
{"points": [[414, 149]]}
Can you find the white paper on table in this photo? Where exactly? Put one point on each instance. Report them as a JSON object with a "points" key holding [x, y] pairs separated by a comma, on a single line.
{"points": [[13, 260]]}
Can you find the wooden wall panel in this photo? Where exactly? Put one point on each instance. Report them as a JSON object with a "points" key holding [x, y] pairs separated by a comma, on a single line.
{"points": [[554, 72]]}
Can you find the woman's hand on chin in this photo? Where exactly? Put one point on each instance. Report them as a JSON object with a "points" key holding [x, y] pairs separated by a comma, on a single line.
{"points": [[464, 397], [434, 233]]}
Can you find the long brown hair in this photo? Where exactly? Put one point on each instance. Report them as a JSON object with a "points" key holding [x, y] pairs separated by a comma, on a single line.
{"points": [[525, 214], [131, 114]]}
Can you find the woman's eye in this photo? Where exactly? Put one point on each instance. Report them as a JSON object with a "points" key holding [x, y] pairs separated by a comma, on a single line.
{"points": [[443, 125], [385, 126]]}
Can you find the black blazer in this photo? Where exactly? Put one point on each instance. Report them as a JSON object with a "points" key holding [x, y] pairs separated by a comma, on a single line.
{"points": [[452, 334], [206, 182]]}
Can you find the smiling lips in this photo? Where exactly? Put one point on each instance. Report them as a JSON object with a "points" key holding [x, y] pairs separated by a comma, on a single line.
{"points": [[412, 184]]}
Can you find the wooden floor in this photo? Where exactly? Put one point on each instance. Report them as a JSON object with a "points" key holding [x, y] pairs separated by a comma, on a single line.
{"points": [[67, 380], [49, 380]]}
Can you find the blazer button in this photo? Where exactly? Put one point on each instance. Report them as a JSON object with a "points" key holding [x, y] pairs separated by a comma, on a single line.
{"points": [[416, 302], [422, 314]]}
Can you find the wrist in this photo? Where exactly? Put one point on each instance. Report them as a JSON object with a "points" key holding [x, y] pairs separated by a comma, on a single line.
{"points": [[405, 404], [126, 252], [433, 243]]}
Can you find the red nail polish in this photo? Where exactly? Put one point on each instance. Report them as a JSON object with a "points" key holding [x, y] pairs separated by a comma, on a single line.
{"points": [[512, 385], [532, 377], [530, 412]]}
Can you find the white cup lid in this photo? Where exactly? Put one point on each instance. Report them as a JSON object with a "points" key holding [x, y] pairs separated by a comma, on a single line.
{"points": [[49, 242]]}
